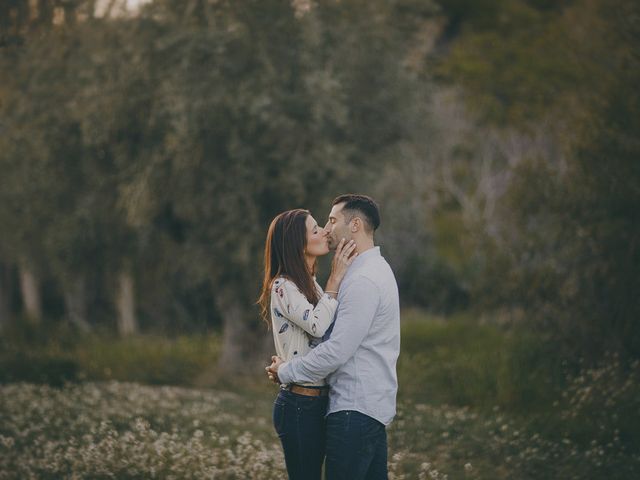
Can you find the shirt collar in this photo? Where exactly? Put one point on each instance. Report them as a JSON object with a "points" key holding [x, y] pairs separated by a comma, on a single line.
{"points": [[362, 257]]}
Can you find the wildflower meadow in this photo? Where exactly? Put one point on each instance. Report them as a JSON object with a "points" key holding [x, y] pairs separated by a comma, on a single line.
{"points": [[128, 430]]}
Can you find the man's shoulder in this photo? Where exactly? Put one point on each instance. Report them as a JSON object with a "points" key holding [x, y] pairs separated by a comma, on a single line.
{"points": [[375, 270], [360, 278], [367, 277]]}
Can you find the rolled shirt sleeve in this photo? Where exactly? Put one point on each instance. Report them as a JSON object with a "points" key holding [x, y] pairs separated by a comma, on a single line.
{"points": [[358, 303]]}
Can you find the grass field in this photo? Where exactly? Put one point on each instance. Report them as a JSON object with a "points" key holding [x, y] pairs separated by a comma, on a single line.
{"points": [[475, 402]]}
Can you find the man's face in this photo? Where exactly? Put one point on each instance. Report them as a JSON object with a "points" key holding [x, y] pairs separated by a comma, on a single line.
{"points": [[336, 227]]}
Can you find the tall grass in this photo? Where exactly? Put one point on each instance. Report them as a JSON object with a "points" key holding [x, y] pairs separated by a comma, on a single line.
{"points": [[63, 355], [459, 362]]}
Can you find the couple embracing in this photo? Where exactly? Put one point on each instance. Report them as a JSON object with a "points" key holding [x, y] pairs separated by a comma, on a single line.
{"points": [[336, 348]]}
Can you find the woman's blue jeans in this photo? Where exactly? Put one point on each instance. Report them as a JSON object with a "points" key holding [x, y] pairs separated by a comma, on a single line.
{"points": [[300, 424]]}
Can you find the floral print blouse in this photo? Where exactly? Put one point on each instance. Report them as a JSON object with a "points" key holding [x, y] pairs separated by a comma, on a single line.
{"points": [[298, 325]]}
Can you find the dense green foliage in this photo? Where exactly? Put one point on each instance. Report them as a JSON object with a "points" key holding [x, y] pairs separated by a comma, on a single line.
{"points": [[146, 154], [568, 251]]}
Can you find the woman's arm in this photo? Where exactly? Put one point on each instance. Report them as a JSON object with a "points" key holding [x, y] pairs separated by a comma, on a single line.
{"points": [[289, 303]]}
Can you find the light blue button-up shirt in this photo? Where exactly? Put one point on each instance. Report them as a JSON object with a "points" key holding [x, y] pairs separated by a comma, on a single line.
{"points": [[359, 359]]}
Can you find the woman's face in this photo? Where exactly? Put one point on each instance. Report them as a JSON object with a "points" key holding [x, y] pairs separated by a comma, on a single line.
{"points": [[317, 239]]}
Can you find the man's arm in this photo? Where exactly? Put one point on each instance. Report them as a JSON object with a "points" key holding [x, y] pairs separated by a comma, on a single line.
{"points": [[356, 310]]}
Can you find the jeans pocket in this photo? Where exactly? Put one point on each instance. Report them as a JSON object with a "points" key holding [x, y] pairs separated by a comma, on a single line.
{"points": [[279, 416], [338, 427], [371, 433]]}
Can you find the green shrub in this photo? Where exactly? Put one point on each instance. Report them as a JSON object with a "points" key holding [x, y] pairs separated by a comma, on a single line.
{"points": [[462, 363], [38, 369], [67, 356], [148, 359]]}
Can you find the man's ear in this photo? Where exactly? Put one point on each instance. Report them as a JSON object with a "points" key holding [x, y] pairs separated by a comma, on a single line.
{"points": [[356, 225]]}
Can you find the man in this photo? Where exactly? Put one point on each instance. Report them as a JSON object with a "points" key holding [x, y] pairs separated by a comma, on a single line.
{"points": [[359, 358]]}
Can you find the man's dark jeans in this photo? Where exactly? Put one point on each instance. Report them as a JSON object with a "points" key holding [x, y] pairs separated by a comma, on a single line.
{"points": [[300, 423], [356, 447]]}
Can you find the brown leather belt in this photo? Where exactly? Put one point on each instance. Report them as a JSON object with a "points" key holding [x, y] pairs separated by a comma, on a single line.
{"points": [[310, 392]]}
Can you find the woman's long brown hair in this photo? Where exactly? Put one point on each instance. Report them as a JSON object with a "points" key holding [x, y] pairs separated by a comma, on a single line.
{"points": [[284, 257]]}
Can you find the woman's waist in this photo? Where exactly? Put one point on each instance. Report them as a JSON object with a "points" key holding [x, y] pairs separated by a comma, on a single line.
{"points": [[286, 358], [305, 390]]}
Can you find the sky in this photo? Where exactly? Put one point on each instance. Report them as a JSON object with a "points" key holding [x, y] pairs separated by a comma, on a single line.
{"points": [[130, 5]]}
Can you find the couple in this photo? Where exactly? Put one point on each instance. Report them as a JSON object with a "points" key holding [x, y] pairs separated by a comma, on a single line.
{"points": [[337, 349]]}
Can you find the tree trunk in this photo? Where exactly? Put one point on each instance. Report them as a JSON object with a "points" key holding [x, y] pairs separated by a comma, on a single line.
{"points": [[30, 290], [6, 290], [247, 345], [125, 303], [76, 302]]}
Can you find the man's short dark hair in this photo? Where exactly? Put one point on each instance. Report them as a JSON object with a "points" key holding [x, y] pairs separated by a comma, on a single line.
{"points": [[362, 206]]}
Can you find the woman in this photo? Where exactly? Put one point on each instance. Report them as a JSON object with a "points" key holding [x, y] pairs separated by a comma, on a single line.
{"points": [[299, 312]]}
